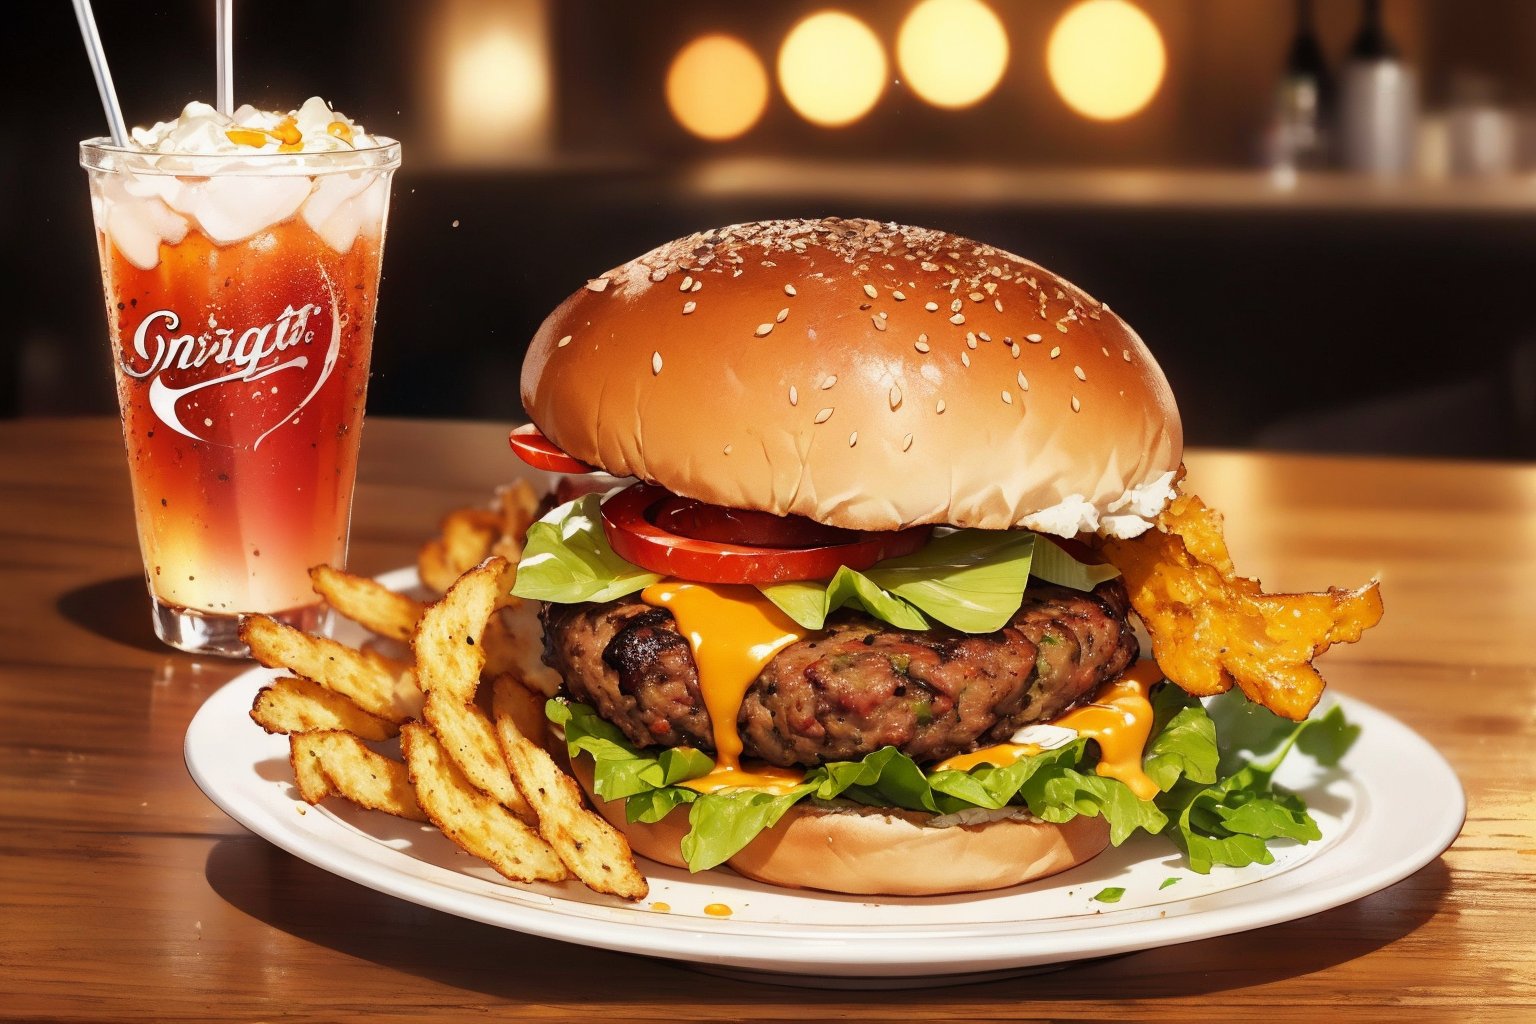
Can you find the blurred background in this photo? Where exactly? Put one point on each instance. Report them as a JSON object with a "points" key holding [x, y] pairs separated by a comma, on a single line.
{"points": [[1321, 216]]}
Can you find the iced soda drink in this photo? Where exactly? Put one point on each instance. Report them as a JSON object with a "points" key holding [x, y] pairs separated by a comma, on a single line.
{"points": [[240, 258]]}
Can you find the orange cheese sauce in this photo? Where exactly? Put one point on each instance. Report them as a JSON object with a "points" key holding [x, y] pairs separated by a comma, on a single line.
{"points": [[718, 910], [734, 632], [1119, 720]]}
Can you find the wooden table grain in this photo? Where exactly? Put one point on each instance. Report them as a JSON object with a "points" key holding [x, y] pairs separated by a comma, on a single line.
{"points": [[126, 896]]}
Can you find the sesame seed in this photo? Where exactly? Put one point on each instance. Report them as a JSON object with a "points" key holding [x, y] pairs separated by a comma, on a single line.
{"points": [[930, 267], [794, 395], [921, 346], [599, 284], [658, 275], [965, 357], [879, 324], [726, 449], [998, 304], [687, 284], [939, 408], [957, 319], [824, 415], [955, 307], [853, 439], [828, 381], [906, 443], [899, 296], [783, 315], [1007, 398], [895, 395], [696, 286], [689, 307], [983, 335], [869, 290], [1056, 351], [932, 307], [884, 315], [976, 296], [789, 290], [655, 363], [1023, 381], [1104, 350], [763, 330], [1076, 405], [1126, 353], [1077, 371], [1035, 338], [970, 340], [563, 342], [1014, 348]]}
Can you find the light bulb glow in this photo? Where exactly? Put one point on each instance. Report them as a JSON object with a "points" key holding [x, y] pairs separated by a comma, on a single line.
{"points": [[952, 52], [832, 68], [716, 87], [1106, 59]]}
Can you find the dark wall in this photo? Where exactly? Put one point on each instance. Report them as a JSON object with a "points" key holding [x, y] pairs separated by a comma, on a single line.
{"points": [[1271, 323]]}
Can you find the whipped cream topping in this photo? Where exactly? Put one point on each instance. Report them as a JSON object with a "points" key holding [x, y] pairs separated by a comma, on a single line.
{"points": [[233, 177], [312, 128]]}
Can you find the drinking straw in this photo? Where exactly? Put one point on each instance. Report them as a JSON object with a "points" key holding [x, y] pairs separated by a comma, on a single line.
{"points": [[224, 50], [98, 57]]}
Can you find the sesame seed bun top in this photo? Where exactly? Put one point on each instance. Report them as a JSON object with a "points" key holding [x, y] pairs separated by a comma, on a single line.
{"points": [[865, 375]]}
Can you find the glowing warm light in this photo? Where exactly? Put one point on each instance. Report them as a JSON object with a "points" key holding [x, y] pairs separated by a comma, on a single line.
{"points": [[831, 68], [716, 87], [1106, 59], [952, 52], [492, 81]]}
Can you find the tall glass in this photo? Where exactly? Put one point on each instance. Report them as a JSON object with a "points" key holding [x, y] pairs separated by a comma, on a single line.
{"points": [[240, 303]]}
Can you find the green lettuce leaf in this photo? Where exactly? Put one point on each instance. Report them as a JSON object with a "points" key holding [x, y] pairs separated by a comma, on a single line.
{"points": [[1053, 564], [1230, 821], [567, 559], [1183, 740], [971, 580]]}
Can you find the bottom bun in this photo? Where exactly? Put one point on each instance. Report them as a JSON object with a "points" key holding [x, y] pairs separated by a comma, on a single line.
{"points": [[872, 851]]}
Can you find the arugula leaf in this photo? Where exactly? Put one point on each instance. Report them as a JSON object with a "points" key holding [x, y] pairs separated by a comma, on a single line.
{"points": [[567, 559], [1173, 880], [1110, 895], [810, 602]]}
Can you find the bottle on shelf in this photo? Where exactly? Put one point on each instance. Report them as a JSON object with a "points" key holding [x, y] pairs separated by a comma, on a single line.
{"points": [[1304, 101], [1378, 102]]}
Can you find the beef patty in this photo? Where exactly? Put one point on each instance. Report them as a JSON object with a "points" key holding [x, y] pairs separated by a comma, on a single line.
{"points": [[857, 686]]}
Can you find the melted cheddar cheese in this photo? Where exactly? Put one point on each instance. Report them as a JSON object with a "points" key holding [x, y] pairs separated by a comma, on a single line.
{"points": [[734, 632]]}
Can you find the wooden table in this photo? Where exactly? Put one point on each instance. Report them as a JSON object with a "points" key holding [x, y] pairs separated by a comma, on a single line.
{"points": [[126, 896]]}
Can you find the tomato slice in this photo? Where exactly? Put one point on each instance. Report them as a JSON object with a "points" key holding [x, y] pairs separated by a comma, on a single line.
{"points": [[630, 520], [540, 452], [702, 521]]}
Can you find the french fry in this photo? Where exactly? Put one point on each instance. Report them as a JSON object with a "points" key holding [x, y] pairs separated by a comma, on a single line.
{"points": [[514, 642], [332, 762], [475, 823], [433, 568], [292, 705], [379, 685], [594, 851], [367, 602], [450, 652]]}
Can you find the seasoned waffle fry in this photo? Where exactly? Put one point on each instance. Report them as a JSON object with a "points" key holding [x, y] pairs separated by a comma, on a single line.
{"points": [[475, 822], [367, 602], [589, 846], [292, 705], [450, 652], [379, 685], [336, 763]]}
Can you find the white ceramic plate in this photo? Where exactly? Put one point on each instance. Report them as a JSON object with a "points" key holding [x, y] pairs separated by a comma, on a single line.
{"points": [[1399, 806]]}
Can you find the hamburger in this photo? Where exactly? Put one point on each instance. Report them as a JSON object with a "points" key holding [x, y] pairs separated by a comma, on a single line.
{"points": [[860, 611]]}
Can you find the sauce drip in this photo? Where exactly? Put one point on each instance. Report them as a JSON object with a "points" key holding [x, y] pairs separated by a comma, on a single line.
{"points": [[1119, 720], [718, 910], [734, 632]]}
